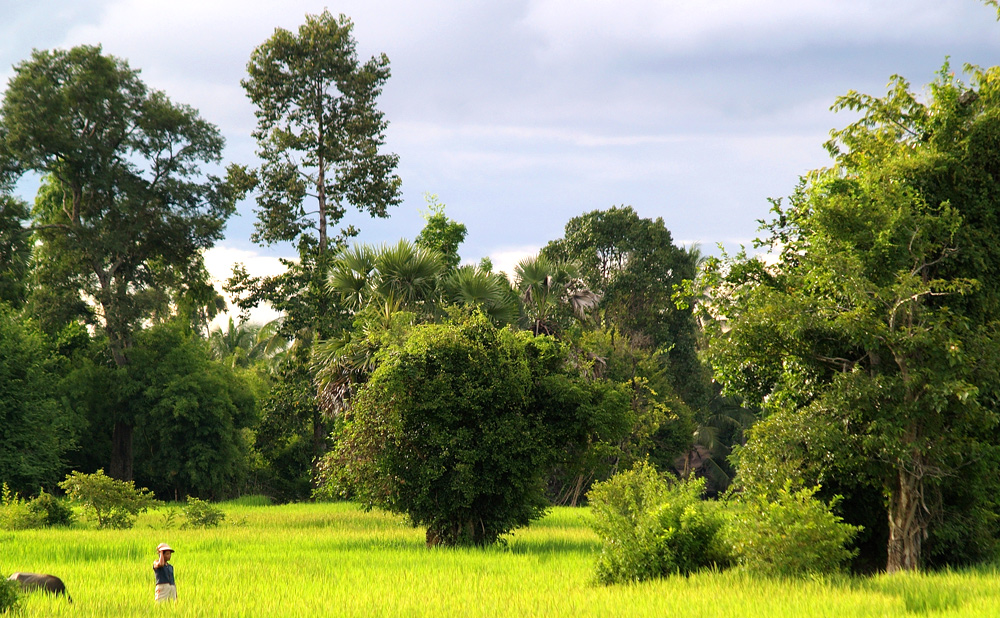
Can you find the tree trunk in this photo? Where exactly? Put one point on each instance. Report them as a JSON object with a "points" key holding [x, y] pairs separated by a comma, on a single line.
{"points": [[121, 452], [321, 191], [907, 523], [319, 441]]}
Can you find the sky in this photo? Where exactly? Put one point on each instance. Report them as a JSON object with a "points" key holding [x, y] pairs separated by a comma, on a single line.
{"points": [[521, 114]]}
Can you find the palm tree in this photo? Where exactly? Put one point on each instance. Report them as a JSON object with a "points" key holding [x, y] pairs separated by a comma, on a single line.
{"points": [[475, 287], [402, 276], [718, 428], [240, 345], [546, 287]]}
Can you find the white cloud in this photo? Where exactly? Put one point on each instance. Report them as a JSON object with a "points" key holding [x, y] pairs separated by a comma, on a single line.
{"points": [[219, 262], [506, 258], [574, 28]]}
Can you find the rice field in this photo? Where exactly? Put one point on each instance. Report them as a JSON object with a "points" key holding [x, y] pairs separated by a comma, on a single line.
{"points": [[335, 560]]}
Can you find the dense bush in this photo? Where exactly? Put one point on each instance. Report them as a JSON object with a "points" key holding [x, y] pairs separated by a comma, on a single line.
{"points": [[651, 527], [445, 432], [112, 503], [15, 513], [193, 412], [201, 514], [36, 432], [9, 602], [789, 533], [54, 512]]}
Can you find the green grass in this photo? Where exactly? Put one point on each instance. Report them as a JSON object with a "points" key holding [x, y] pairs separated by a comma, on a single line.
{"points": [[335, 560]]}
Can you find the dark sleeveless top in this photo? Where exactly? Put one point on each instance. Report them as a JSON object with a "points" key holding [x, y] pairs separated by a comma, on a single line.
{"points": [[164, 574]]}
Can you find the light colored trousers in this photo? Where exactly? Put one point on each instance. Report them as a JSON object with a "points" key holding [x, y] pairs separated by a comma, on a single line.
{"points": [[165, 592]]}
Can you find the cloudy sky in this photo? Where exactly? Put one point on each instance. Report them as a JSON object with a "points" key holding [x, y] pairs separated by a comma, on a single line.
{"points": [[520, 114]]}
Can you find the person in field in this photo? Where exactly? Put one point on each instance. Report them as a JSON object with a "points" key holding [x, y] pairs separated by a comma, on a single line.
{"points": [[166, 589]]}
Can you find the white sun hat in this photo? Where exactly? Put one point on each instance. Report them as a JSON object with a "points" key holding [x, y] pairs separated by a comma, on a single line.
{"points": [[163, 547]]}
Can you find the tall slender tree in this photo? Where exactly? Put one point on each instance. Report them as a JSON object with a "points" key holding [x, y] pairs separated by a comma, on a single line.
{"points": [[319, 135]]}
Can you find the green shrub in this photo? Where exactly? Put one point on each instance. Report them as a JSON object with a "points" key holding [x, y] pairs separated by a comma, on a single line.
{"points": [[54, 511], [651, 527], [445, 431], [201, 514], [792, 534], [15, 513], [9, 601], [111, 503]]}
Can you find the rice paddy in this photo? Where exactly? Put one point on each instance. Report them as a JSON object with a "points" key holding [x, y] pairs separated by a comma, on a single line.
{"points": [[336, 560]]}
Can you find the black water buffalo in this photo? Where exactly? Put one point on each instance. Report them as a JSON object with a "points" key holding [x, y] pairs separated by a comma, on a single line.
{"points": [[37, 581]]}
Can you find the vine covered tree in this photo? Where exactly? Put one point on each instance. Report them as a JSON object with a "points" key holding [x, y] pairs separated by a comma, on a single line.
{"points": [[124, 200], [444, 431], [871, 344]]}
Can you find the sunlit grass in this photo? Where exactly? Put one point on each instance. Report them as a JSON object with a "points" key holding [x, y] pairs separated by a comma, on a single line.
{"points": [[335, 560]]}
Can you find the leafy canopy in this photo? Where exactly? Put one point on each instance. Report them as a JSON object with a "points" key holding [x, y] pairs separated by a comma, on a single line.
{"points": [[869, 343], [445, 432]]}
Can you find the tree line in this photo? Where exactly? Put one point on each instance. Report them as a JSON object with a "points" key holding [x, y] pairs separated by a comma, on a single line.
{"points": [[856, 366]]}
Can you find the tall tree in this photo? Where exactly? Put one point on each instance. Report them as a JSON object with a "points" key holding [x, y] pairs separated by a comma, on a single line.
{"points": [[318, 133], [15, 250], [634, 265], [124, 198], [872, 342]]}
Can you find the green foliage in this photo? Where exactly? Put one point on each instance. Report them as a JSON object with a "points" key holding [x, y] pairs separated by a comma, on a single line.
{"points": [[873, 341], [15, 251], [130, 195], [587, 422], [480, 287], [552, 294], [607, 405], [651, 527], [9, 596], [243, 344], [110, 502], [201, 514], [36, 432], [193, 412], [125, 209], [318, 129], [632, 263], [396, 277], [445, 432], [318, 133], [291, 433], [441, 234], [663, 422], [788, 534], [15, 513], [54, 511]]}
